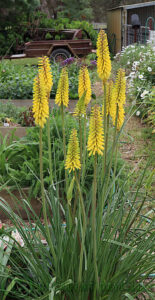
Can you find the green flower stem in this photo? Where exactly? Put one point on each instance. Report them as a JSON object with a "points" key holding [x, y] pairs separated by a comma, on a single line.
{"points": [[94, 222], [115, 161], [106, 144], [43, 198], [108, 177], [49, 144], [84, 151], [80, 129], [105, 130], [113, 145], [82, 208], [49, 150], [64, 143]]}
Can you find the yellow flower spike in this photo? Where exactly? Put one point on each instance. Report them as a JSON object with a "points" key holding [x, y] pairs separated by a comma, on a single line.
{"points": [[120, 87], [110, 103], [40, 102], [44, 66], [73, 153], [120, 118], [62, 95], [95, 137], [119, 97], [103, 57], [84, 84]]}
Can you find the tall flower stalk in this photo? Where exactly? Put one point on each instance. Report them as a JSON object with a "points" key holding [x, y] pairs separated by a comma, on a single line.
{"points": [[41, 114], [107, 109], [103, 70], [45, 69], [95, 146], [62, 99], [79, 112], [119, 96], [84, 89], [72, 164]]}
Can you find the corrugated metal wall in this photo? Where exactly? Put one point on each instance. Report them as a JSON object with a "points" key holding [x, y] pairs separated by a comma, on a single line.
{"points": [[114, 26], [142, 12]]}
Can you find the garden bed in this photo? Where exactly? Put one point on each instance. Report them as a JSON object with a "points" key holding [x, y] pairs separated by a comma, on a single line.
{"points": [[14, 199], [18, 131]]}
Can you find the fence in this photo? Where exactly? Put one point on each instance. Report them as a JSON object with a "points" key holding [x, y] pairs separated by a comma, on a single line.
{"points": [[139, 35]]}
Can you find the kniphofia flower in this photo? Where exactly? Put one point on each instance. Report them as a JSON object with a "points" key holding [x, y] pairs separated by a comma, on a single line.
{"points": [[120, 119], [44, 67], [84, 84], [119, 97], [95, 137], [73, 153], [103, 57], [120, 87], [62, 95], [40, 102], [110, 101]]}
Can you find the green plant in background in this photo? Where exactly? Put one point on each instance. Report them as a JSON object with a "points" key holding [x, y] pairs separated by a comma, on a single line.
{"points": [[48, 36], [9, 110], [16, 80], [137, 60], [97, 244]]}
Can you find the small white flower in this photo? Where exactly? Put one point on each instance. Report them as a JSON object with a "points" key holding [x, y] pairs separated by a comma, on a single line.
{"points": [[128, 63], [137, 113], [144, 93], [15, 234], [135, 63], [149, 69], [140, 76]]}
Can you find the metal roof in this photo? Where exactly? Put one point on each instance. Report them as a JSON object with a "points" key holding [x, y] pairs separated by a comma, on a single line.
{"points": [[136, 5]]}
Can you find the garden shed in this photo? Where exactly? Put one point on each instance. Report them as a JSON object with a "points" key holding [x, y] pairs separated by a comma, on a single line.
{"points": [[130, 23]]}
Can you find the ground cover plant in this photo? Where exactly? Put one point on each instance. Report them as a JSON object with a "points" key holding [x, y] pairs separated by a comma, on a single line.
{"points": [[20, 163], [138, 60], [16, 81], [12, 115], [93, 245]]}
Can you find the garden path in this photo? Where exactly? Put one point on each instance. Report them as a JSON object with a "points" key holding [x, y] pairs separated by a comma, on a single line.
{"points": [[137, 143]]}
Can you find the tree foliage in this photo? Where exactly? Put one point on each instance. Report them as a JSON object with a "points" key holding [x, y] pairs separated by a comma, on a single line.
{"points": [[77, 10], [15, 11]]}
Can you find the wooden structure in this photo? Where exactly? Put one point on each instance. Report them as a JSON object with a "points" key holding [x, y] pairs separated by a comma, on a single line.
{"points": [[119, 22]]}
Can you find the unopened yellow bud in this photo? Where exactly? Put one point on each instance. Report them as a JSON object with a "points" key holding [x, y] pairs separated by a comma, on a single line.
{"points": [[40, 102], [119, 97], [73, 153], [84, 84], [44, 67], [62, 95], [95, 137]]}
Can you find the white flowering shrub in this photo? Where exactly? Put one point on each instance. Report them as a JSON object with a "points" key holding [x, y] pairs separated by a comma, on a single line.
{"points": [[139, 64]]}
